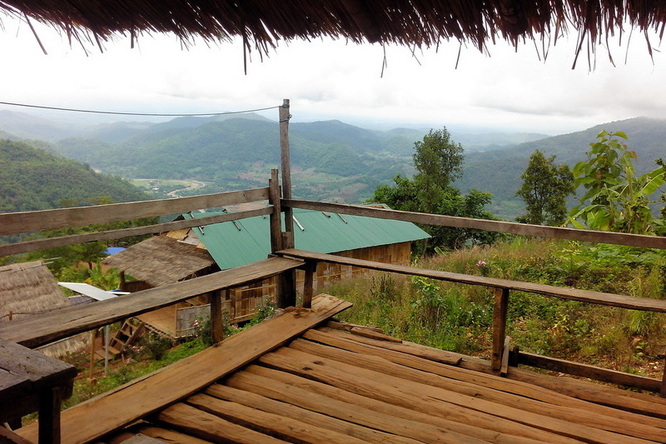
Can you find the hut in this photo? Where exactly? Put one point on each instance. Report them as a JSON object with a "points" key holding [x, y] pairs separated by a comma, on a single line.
{"points": [[29, 289], [188, 253], [161, 260]]}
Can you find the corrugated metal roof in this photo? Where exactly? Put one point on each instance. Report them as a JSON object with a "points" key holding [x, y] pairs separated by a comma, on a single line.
{"points": [[248, 240]]}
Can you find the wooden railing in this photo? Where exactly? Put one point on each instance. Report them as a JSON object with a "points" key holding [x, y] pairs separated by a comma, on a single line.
{"points": [[69, 321], [502, 355]]}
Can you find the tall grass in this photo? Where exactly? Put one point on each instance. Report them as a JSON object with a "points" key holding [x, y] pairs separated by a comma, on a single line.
{"points": [[458, 317]]}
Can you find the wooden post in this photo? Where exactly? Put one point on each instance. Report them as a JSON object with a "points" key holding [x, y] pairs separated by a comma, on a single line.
{"points": [[499, 327], [49, 416], [662, 392], [308, 283], [286, 173], [93, 336], [216, 325], [286, 294], [276, 215]]}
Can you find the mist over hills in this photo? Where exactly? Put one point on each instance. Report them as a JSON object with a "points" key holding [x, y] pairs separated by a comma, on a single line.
{"points": [[331, 160]]}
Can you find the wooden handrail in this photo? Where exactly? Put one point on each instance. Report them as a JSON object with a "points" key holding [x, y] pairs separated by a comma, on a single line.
{"points": [[31, 221], [61, 323], [594, 297], [500, 347], [633, 240], [52, 242]]}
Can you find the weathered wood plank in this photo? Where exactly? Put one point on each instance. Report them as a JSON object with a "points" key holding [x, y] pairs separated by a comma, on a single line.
{"points": [[635, 240], [30, 221], [39, 330], [279, 385], [41, 244], [138, 399], [393, 388], [411, 356], [346, 425], [590, 371], [349, 406], [279, 426], [595, 419], [211, 427], [500, 307], [169, 436], [573, 294]]}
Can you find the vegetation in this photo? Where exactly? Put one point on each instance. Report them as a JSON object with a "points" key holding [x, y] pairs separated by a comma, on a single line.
{"points": [[616, 197], [33, 179], [459, 317], [545, 189], [438, 161]]}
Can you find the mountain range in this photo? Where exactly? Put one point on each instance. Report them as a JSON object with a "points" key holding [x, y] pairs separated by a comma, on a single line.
{"points": [[331, 160]]}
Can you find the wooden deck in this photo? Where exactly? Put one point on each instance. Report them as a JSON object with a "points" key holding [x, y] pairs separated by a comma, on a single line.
{"points": [[302, 378]]}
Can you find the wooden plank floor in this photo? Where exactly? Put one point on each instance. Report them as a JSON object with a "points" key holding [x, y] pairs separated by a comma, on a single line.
{"points": [[332, 386]]}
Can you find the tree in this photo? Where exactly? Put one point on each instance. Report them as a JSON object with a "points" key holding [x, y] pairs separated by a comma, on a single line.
{"points": [[438, 162], [438, 157], [545, 189], [616, 198]]}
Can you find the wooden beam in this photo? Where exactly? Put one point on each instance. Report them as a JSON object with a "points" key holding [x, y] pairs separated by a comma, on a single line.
{"points": [[276, 214], [30, 221], [500, 308], [138, 399], [285, 162], [590, 371], [216, 324], [635, 240], [42, 244], [594, 297], [39, 330], [662, 392], [308, 283]]}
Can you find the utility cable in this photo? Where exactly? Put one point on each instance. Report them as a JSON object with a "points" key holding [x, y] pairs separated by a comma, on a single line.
{"points": [[56, 108]]}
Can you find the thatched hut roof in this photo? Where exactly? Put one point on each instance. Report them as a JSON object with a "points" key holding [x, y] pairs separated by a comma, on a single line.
{"points": [[413, 23], [161, 260], [28, 289]]}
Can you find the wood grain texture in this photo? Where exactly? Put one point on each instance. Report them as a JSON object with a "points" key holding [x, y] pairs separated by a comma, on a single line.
{"points": [[635, 240], [40, 330], [182, 379], [41, 244], [30, 221], [594, 297]]}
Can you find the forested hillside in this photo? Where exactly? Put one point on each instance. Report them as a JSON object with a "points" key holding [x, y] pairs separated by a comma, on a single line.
{"points": [[499, 171], [33, 179]]}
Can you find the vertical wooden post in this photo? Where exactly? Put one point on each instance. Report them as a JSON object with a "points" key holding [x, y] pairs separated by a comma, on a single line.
{"points": [[662, 392], [216, 326], [286, 173], [499, 326], [286, 295], [276, 215], [93, 337], [308, 283], [49, 416]]}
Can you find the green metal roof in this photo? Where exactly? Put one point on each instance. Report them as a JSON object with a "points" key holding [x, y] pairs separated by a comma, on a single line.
{"points": [[248, 240]]}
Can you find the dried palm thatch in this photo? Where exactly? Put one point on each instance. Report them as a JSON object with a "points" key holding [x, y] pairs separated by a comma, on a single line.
{"points": [[162, 260], [420, 23], [29, 289]]}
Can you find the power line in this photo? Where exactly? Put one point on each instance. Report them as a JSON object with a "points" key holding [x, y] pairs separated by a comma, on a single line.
{"points": [[120, 113]]}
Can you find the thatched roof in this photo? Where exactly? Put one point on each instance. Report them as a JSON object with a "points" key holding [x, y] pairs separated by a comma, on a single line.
{"points": [[413, 23], [161, 260], [28, 289]]}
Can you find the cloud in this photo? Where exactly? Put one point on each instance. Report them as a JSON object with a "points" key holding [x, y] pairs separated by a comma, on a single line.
{"points": [[334, 80]]}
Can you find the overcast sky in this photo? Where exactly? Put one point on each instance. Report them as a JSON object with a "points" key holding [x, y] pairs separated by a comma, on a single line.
{"points": [[335, 80]]}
